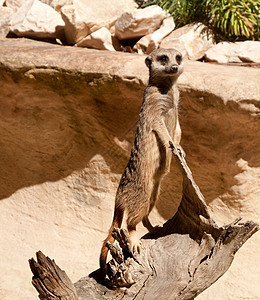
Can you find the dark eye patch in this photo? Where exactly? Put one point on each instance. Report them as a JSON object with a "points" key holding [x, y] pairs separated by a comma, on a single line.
{"points": [[163, 58], [178, 58]]}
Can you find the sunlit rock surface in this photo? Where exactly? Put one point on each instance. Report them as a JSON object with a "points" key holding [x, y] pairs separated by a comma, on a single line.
{"points": [[68, 119]]}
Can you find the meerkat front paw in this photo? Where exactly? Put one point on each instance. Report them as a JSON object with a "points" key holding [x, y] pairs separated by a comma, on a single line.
{"points": [[181, 151]]}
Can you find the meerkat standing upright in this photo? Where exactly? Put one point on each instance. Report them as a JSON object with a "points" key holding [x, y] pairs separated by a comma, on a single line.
{"points": [[150, 159]]}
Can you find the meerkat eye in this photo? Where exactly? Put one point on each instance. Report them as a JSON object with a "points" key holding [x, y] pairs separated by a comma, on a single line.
{"points": [[178, 58], [163, 58]]}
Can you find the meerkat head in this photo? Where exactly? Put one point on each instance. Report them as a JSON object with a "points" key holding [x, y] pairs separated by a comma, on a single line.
{"points": [[164, 63]]}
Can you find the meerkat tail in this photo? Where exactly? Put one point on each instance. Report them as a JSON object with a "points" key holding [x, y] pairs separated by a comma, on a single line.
{"points": [[117, 221]]}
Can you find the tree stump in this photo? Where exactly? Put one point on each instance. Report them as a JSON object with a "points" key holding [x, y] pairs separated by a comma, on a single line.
{"points": [[179, 261]]}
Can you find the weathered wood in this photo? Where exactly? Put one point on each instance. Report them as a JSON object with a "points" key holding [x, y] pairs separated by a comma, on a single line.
{"points": [[179, 261], [50, 281], [183, 258]]}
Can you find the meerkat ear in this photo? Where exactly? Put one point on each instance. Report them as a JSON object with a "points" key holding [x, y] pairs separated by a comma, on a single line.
{"points": [[148, 61]]}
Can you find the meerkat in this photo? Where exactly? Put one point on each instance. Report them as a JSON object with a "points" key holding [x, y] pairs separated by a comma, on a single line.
{"points": [[150, 158]]}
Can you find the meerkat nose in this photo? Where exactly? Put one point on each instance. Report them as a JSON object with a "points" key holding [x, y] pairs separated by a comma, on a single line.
{"points": [[174, 69]]}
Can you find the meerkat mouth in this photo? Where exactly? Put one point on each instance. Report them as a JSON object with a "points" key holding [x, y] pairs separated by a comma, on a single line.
{"points": [[172, 71]]}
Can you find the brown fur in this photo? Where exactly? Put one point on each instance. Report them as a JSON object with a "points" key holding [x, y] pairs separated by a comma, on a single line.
{"points": [[150, 156]]}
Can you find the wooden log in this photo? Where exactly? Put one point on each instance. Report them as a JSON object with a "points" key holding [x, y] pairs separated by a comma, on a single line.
{"points": [[179, 261], [50, 281]]}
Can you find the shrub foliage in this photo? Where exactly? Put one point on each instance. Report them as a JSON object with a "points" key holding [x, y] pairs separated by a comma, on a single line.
{"points": [[229, 19]]}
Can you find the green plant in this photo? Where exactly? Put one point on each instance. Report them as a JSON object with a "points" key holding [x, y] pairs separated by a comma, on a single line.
{"points": [[230, 19]]}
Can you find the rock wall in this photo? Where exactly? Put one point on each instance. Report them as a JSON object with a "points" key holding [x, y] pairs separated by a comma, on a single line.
{"points": [[122, 27], [68, 119]]}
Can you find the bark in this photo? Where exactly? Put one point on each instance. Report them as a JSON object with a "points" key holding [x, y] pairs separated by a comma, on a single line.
{"points": [[50, 281], [179, 261]]}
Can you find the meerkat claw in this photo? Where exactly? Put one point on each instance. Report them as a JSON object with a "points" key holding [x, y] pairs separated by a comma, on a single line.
{"points": [[171, 144], [135, 247], [178, 147], [181, 151]]}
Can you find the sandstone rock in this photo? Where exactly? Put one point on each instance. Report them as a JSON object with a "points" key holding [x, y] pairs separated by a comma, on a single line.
{"points": [[81, 18], [37, 20], [140, 22], [249, 51], [57, 4], [166, 28], [100, 39], [5, 16], [192, 40], [63, 149], [176, 43], [152, 41], [15, 4], [246, 185], [224, 52], [142, 45]]}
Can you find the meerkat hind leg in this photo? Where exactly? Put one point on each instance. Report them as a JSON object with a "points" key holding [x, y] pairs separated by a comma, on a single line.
{"points": [[154, 196]]}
